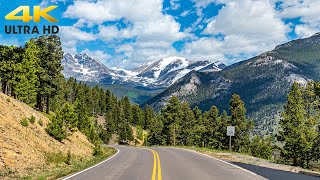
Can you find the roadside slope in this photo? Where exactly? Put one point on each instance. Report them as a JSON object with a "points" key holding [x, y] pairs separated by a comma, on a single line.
{"points": [[24, 148]]}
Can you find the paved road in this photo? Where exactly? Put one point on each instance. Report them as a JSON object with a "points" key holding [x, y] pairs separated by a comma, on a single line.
{"points": [[160, 163]]}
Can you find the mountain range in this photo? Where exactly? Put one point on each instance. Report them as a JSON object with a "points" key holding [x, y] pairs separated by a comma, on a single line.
{"points": [[154, 74], [262, 82]]}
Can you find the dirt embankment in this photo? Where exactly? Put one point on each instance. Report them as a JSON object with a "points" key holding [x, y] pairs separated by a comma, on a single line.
{"points": [[24, 148]]}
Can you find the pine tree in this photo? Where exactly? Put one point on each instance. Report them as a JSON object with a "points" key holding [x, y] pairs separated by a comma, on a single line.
{"points": [[6, 66], [199, 128], [69, 117], [172, 115], [188, 121], [127, 109], [137, 116], [297, 130], [155, 134], [50, 54], [213, 125], [148, 116], [27, 80], [242, 126], [57, 129]]}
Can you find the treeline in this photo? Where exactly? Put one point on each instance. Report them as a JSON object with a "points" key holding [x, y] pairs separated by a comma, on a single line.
{"points": [[300, 122], [32, 73], [177, 124]]}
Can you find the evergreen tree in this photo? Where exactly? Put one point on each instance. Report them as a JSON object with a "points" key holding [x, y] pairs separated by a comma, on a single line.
{"points": [[27, 80], [172, 115], [242, 126], [199, 128], [127, 109], [297, 131], [155, 135], [213, 126], [68, 116], [188, 121], [50, 54], [148, 116], [137, 116]]}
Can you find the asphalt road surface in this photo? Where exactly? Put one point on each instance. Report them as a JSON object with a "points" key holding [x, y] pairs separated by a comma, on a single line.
{"points": [[159, 163]]}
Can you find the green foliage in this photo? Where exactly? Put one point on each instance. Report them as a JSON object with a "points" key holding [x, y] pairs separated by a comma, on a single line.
{"points": [[24, 122], [64, 121], [57, 129], [137, 116], [299, 126], [55, 158], [139, 133], [40, 122], [32, 119], [97, 151], [261, 148], [68, 158], [242, 125]]}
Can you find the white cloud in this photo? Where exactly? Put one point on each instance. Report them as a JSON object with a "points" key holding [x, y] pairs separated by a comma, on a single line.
{"points": [[153, 31], [185, 13], [305, 30], [71, 36], [307, 11], [248, 27], [73, 33], [242, 28], [97, 54], [174, 4]]}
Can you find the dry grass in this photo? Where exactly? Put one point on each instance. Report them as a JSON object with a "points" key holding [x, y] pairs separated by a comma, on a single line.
{"points": [[23, 149]]}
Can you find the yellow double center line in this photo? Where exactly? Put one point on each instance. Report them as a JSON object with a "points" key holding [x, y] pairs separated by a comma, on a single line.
{"points": [[156, 163]]}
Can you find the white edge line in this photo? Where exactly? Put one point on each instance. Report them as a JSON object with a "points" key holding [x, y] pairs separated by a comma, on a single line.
{"points": [[217, 160], [92, 166]]}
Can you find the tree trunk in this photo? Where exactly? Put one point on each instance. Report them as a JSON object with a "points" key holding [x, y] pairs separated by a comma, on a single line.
{"points": [[12, 92], [4, 87], [47, 109], [39, 102]]}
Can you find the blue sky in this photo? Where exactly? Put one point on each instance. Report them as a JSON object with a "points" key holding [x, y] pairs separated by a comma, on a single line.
{"points": [[126, 33]]}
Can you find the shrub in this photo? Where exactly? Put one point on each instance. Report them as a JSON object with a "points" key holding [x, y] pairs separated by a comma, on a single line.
{"points": [[24, 122], [8, 99], [32, 119], [40, 122], [97, 151], [139, 133], [56, 129], [261, 148], [68, 159]]}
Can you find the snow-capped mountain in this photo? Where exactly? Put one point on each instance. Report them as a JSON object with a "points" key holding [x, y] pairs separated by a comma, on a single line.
{"points": [[166, 71], [160, 73]]}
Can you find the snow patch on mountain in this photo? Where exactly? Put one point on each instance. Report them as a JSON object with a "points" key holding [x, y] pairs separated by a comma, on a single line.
{"points": [[159, 73]]}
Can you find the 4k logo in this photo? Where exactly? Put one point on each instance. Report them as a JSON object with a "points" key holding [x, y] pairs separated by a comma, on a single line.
{"points": [[37, 14], [26, 17]]}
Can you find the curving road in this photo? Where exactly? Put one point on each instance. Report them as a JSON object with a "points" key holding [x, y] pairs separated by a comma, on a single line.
{"points": [[159, 163]]}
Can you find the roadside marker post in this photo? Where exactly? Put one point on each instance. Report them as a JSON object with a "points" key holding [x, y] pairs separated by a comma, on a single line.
{"points": [[230, 133]]}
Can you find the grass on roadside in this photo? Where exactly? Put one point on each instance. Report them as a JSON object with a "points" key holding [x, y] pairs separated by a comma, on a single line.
{"points": [[58, 165]]}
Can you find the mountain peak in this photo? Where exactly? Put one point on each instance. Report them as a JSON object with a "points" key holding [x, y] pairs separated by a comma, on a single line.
{"points": [[159, 73]]}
